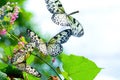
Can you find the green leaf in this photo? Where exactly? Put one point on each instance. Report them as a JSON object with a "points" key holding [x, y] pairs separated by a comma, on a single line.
{"points": [[30, 59], [79, 67], [3, 76], [30, 76], [3, 66], [8, 50]]}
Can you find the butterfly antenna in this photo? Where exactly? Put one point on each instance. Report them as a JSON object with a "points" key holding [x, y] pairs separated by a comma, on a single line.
{"points": [[73, 13]]}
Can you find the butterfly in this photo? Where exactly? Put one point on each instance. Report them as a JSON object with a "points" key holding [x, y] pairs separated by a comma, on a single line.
{"points": [[27, 68], [60, 17], [53, 47], [19, 59]]}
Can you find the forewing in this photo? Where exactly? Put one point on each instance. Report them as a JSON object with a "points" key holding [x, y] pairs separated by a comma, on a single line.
{"points": [[61, 37], [28, 69], [54, 49], [54, 6], [39, 43], [60, 19], [76, 27]]}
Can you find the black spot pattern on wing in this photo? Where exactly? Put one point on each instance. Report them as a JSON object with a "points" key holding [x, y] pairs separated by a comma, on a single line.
{"points": [[54, 6], [22, 54], [53, 47], [24, 67], [60, 17], [55, 43], [39, 43], [61, 37]]}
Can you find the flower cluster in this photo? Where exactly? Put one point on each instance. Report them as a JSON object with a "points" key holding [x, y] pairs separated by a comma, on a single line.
{"points": [[14, 15], [20, 44], [8, 14]]}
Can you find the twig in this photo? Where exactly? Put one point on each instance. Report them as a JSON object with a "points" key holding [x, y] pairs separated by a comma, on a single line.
{"points": [[13, 36], [48, 65]]}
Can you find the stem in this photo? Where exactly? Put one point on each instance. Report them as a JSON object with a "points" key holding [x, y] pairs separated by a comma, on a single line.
{"points": [[9, 33], [14, 36], [73, 12], [48, 65], [1, 24]]}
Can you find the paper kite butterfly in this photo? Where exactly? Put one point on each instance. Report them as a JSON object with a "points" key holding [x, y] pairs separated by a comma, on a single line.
{"points": [[19, 60], [53, 47], [60, 17]]}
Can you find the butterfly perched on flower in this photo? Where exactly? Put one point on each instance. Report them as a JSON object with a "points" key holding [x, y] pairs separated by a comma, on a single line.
{"points": [[53, 47], [60, 17], [19, 59], [20, 63]]}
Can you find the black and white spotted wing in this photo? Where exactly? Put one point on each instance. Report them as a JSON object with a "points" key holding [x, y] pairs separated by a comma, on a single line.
{"points": [[60, 17], [27, 68], [20, 57], [53, 47], [61, 37], [22, 54], [54, 6], [39, 43]]}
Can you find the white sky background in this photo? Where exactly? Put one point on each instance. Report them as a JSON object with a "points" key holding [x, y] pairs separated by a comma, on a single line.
{"points": [[101, 23]]}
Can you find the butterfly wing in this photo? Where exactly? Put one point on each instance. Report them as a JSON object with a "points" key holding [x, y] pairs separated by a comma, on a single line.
{"points": [[22, 54], [39, 43], [63, 20], [28, 69], [76, 27], [54, 6], [54, 45], [54, 49], [61, 37], [60, 19], [59, 16]]}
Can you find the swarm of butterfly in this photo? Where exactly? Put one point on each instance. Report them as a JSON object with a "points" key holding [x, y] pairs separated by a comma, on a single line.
{"points": [[54, 46]]}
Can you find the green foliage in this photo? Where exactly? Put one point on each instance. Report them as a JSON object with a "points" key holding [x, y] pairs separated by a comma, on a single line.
{"points": [[3, 66], [79, 68], [10, 71], [30, 77], [3, 76]]}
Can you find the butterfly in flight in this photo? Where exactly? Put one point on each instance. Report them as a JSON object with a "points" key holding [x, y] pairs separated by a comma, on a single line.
{"points": [[60, 17], [53, 47]]}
